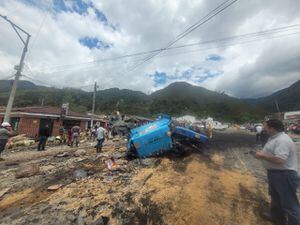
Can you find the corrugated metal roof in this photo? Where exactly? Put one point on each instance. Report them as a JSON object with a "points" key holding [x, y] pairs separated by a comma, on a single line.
{"points": [[47, 110]]}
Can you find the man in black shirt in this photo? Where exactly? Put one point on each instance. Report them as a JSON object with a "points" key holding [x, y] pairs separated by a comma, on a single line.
{"points": [[44, 133]]}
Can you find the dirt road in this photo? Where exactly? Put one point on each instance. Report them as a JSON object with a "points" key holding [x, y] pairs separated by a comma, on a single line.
{"points": [[222, 184]]}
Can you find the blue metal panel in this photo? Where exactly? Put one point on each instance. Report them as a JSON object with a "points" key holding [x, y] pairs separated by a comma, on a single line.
{"points": [[190, 134], [156, 137], [152, 138]]}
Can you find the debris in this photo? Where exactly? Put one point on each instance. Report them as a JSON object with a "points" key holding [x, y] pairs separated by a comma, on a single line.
{"points": [[103, 220], [55, 187], [4, 191], [111, 164], [80, 174], [80, 152], [80, 221], [20, 140], [118, 155], [147, 178], [61, 155], [148, 161], [27, 171]]}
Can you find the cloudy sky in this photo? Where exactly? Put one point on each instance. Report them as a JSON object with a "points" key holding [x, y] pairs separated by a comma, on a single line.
{"points": [[77, 42]]}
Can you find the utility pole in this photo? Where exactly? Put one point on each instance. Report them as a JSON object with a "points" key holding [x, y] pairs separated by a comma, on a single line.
{"points": [[19, 68], [94, 102], [277, 106]]}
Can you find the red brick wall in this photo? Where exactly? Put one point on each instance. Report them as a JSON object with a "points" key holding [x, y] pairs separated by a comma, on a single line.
{"points": [[82, 125], [56, 126], [29, 126]]}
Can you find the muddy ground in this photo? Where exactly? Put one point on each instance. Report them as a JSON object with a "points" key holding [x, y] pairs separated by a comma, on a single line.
{"points": [[221, 184]]}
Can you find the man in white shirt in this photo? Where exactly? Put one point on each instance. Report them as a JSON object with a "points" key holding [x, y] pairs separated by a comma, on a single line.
{"points": [[279, 157], [100, 135]]}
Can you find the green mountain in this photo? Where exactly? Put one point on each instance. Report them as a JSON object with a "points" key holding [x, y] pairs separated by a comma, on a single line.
{"points": [[5, 85], [288, 99], [177, 99]]}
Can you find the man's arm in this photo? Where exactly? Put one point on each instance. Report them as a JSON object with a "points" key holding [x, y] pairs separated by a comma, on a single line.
{"points": [[270, 158]]}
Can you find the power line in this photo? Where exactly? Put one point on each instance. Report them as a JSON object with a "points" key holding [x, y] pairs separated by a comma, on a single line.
{"points": [[52, 85], [202, 21], [8, 77], [262, 34], [40, 28], [188, 30]]}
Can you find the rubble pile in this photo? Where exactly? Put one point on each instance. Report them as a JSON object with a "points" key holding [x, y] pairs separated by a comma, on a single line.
{"points": [[79, 186]]}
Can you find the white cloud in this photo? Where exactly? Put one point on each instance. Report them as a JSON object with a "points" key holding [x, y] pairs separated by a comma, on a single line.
{"points": [[148, 25]]}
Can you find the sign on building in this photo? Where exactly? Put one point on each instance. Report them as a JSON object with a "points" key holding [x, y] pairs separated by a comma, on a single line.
{"points": [[294, 115]]}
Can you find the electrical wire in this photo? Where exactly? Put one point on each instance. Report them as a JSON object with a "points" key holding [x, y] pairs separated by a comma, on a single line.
{"points": [[8, 77], [202, 21], [39, 29], [258, 36]]}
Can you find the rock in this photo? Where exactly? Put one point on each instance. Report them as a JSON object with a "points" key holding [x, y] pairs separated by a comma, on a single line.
{"points": [[80, 152], [103, 220], [80, 173], [27, 171], [55, 187]]}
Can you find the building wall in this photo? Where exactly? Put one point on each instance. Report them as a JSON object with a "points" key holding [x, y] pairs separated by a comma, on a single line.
{"points": [[82, 125], [56, 126], [29, 126]]}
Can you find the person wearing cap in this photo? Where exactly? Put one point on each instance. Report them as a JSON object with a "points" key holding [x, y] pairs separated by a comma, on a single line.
{"points": [[279, 157], [5, 133]]}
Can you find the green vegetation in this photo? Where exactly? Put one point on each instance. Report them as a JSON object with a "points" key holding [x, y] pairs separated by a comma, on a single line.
{"points": [[177, 99]]}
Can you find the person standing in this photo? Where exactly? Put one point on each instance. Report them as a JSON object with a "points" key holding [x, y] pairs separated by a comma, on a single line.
{"points": [[5, 133], [258, 130], [100, 134], [69, 136], [62, 134], [44, 133], [75, 135], [279, 157], [210, 130]]}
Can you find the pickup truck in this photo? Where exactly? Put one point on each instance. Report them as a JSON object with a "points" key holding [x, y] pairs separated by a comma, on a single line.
{"points": [[161, 136]]}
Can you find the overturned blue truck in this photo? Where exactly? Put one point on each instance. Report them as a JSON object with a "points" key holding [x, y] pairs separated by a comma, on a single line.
{"points": [[161, 136]]}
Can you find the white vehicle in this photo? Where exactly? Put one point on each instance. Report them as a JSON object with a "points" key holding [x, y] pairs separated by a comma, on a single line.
{"points": [[219, 126]]}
